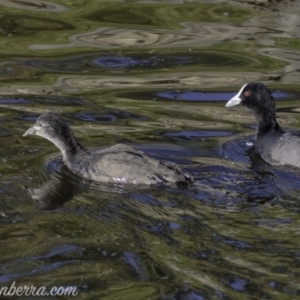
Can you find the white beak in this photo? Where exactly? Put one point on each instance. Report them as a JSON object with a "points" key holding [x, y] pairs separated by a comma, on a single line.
{"points": [[32, 130], [236, 99]]}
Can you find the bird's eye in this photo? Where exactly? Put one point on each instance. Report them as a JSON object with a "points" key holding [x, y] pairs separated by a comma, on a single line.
{"points": [[247, 93]]}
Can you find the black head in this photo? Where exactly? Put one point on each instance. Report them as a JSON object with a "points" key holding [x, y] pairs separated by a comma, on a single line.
{"points": [[55, 129], [255, 96], [259, 99]]}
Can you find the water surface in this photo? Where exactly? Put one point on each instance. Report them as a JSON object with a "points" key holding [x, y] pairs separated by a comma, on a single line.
{"points": [[155, 75]]}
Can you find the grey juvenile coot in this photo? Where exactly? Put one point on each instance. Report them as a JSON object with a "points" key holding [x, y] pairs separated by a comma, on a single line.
{"points": [[273, 144], [119, 163]]}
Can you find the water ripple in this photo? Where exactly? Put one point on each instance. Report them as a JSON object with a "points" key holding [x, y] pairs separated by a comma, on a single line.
{"points": [[198, 34], [34, 5], [141, 62]]}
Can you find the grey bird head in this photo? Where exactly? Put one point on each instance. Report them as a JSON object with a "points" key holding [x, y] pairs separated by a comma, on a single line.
{"points": [[48, 124], [55, 129]]}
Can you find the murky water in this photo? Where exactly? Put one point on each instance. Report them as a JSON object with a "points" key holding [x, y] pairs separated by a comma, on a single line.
{"points": [[156, 75]]}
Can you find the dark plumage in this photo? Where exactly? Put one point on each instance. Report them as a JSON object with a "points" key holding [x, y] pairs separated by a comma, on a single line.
{"points": [[273, 144], [119, 163]]}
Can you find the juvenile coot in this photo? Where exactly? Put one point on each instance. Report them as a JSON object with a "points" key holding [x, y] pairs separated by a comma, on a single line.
{"points": [[119, 163], [273, 144]]}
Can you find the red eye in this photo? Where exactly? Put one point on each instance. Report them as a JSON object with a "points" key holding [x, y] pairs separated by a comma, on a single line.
{"points": [[247, 94]]}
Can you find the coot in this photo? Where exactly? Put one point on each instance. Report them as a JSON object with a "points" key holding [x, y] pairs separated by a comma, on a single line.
{"points": [[273, 144], [119, 163]]}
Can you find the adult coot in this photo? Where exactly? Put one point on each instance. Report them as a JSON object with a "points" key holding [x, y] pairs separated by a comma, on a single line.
{"points": [[119, 163], [273, 144]]}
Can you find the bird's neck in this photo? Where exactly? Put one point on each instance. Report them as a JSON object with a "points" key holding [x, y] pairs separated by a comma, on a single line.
{"points": [[68, 148], [70, 152], [266, 122]]}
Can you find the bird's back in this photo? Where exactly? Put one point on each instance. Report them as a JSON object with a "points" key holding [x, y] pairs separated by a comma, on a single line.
{"points": [[280, 149], [122, 163]]}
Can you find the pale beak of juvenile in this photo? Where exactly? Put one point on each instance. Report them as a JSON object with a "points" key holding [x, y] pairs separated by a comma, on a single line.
{"points": [[236, 99], [30, 131]]}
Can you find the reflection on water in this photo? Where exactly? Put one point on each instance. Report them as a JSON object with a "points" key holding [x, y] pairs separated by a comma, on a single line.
{"points": [[198, 96], [196, 134], [114, 63], [156, 75], [34, 5]]}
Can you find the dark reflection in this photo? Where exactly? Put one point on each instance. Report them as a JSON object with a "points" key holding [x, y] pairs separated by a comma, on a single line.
{"points": [[95, 117], [195, 134], [29, 117], [14, 101], [121, 62], [252, 126], [58, 189], [93, 63], [238, 149], [159, 271], [26, 24], [35, 5], [133, 261], [122, 114], [235, 243], [121, 15], [200, 96], [109, 115], [260, 181], [284, 288], [55, 100], [156, 14], [142, 62], [144, 267], [194, 95], [31, 266], [255, 182], [41, 99]]}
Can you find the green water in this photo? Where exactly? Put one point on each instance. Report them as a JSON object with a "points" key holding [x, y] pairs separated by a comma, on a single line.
{"points": [[156, 75]]}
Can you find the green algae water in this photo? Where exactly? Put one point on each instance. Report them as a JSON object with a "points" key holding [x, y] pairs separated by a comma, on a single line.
{"points": [[155, 75]]}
